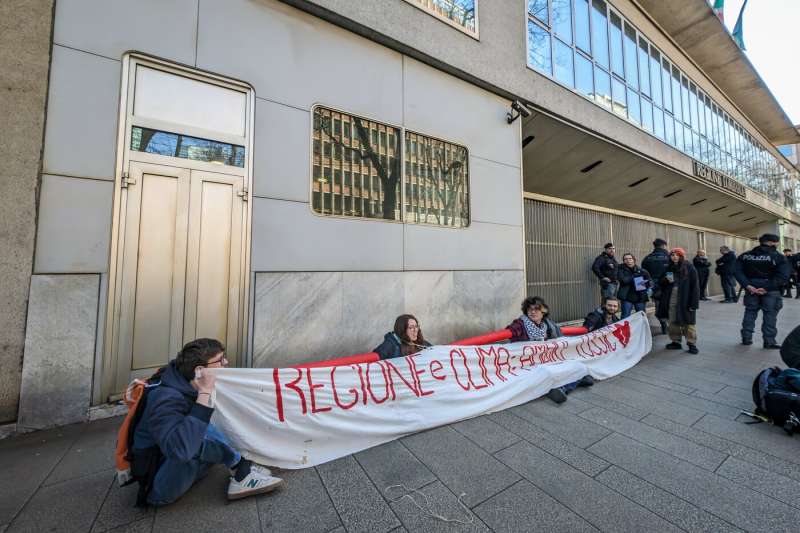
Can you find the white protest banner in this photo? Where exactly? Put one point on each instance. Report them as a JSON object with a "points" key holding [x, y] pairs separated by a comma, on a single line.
{"points": [[301, 417]]}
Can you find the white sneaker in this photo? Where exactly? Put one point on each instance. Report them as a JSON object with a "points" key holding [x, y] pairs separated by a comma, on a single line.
{"points": [[258, 481]]}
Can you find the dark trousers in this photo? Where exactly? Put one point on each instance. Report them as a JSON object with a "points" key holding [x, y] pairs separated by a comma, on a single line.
{"points": [[728, 286], [769, 304], [702, 279]]}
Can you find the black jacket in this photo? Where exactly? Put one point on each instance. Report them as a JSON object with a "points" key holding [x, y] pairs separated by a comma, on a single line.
{"points": [[763, 267], [794, 262], [605, 266], [390, 347], [790, 349], [702, 264], [519, 333], [656, 264], [688, 295], [597, 319], [627, 288], [726, 265]]}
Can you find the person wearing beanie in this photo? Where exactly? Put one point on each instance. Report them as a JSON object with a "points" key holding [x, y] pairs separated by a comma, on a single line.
{"points": [[680, 299], [763, 271], [605, 268], [656, 264]]}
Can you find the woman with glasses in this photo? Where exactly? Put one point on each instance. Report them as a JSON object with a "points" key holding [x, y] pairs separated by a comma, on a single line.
{"points": [[405, 339], [680, 299], [535, 325]]}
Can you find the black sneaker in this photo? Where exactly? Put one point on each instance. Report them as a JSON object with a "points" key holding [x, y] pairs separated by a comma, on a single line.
{"points": [[557, 395], [771, 346], [747, 342], [693, 349], [674, 346], [586, 381]]}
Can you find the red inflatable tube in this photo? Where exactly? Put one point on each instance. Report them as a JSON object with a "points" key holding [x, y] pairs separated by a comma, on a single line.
{"points": [[487, 338]]}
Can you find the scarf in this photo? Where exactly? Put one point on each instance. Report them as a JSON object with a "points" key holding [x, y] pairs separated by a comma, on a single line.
{"points": [[535, 333]]}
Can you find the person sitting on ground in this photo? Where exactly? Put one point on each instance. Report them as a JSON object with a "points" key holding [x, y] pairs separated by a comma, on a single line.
{"points": [[680, 301], [790, 349], [603, 315], [535, 325], [174, 441], [405, 339], [634, 283]]}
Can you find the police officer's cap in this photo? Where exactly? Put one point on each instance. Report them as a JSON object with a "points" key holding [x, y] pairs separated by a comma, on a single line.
{"points": [[769, 237]]}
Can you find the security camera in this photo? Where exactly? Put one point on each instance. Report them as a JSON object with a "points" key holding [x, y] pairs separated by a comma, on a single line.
{"points": [[518, 109]]}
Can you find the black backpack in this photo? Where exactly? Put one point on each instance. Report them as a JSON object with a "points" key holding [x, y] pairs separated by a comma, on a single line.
{"points": [[780, 406]]}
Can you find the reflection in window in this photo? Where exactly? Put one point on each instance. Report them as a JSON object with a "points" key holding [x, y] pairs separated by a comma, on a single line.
{"points": [[615, 38], [185, 147], [618, 97], [644, 69], [372, 169], [665, 85], [602, 84], [669, 130], [599, 33], [437, 182], [633, 107], [563, 63], [562, 19], [658, 122], [582, 25], [459, 12], [539, 48], [647, 115], [583, 76], [538, 8], [655, 75], [629, 45]]}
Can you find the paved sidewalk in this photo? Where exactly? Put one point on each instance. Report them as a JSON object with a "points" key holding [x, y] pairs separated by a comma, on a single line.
{"points": [[659, 448]]}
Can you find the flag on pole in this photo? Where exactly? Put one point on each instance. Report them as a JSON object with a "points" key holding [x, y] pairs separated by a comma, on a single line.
{"points": [[738, 32], [719, 10]]}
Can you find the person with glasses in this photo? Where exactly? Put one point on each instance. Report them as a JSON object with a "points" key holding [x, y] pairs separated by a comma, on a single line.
{"points": [[405, 339], [535, 325], [175, 435]]}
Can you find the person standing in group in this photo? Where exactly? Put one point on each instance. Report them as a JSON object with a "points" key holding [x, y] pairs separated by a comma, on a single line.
{"points": [[656, 263], [703, 266], [763, 271], [680, 297], [726, 269], [794, 263], [605, 268], [787, 253], [634, 282]]}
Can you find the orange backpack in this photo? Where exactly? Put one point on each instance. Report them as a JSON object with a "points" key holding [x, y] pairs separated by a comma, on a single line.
{"points": [[133, 399]]}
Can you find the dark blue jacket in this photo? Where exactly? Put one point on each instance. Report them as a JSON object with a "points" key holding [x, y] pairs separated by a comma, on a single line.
{"points": [[763, 267], [172, 419], [390, 347], [726, 265]]}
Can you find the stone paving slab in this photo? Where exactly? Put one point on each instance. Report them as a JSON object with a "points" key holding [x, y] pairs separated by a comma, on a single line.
{"points": [[660, 448]]}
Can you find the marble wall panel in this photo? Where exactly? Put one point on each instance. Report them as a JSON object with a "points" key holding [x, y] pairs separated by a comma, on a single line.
{"points": [[429, 297], [59, 350], [370, 303]]}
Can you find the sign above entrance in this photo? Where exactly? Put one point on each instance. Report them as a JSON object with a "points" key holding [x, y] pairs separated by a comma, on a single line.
{"points": [[719, 179]]}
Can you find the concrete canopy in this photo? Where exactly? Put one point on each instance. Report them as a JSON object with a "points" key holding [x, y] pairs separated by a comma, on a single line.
{"points": [[695, 28], [556, 163]]}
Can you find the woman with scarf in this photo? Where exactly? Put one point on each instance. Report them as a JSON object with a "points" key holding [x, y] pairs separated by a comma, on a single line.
{"points": [[680, 299], [535, 325], [633, 284], [405, 339]]}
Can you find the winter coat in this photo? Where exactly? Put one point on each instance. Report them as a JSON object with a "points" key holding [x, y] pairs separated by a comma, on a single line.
{"points": [[790, 349], [519, 333], [688, 296], [726, 265], [391, 346], [597, 319], [656, 264], [701, 264], [172, 418], [627, 287], [605, 266], [763, 267]]}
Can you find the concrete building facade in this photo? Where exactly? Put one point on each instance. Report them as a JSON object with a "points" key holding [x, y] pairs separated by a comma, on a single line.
{"points": [[289, 176]]}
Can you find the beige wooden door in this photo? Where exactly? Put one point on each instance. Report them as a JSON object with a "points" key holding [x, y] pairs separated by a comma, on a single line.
{"points": [[181, 266]]}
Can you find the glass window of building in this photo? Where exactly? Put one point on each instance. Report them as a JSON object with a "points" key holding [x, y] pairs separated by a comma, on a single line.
{"points": [[693, 107], [583, 75], [186, 147], [658, 122], [599, 33], [582, 34], [644, 69], [676, 93], [665, 84], [615, 39], [538, 8], [375, 169], [539, 49], [602, 87], [679, 134], [629, 49], [687, 139], [669, 130], [458, 13], [618, 97], [562, 63], [437, 182], [655, 75], [685, 100], [647, 115], [634, 113], [562, 19]]}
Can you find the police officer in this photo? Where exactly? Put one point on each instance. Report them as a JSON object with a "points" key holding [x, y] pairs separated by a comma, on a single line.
{"points": [[763, 271], [656, 263]]}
